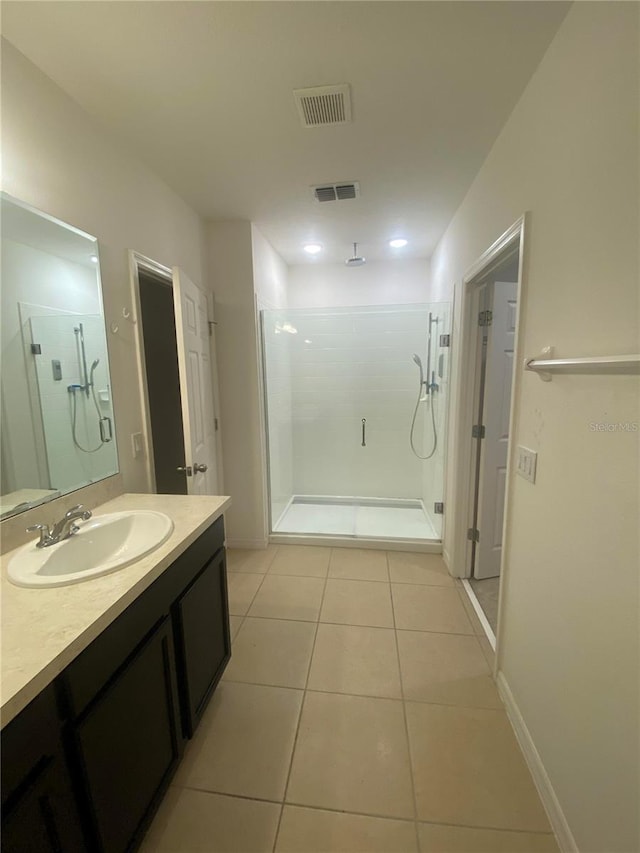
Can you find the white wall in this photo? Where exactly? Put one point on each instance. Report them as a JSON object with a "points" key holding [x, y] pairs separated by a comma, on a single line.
{"points": [[232, 281], [569, 630], [58, 159], [318, 285]]}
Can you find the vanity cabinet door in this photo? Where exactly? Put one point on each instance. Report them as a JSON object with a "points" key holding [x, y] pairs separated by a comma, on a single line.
{"points": [[203, 641], [44, 819], [128, 743], [39, 811]]}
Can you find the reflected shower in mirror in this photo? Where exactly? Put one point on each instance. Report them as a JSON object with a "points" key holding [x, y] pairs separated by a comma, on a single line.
{"points": [[56, 415]]}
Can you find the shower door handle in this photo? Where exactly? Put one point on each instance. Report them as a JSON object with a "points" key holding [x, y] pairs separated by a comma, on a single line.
{"points": [[364, 432]]}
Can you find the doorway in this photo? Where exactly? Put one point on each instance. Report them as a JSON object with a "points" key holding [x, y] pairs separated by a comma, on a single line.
{"points": [[158, 326], [178, 380], [491, 300]]}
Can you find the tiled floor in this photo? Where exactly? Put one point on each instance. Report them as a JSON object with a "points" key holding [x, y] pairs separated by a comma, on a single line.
{"points": [[353, 519], [357, 715]]}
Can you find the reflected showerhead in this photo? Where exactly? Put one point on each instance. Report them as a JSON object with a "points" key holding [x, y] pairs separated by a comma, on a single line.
{"points": [[418, 361], [95, 364]]}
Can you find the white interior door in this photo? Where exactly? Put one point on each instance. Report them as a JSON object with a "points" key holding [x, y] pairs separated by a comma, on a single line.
{"points": [[196, 385], [495, 445]]}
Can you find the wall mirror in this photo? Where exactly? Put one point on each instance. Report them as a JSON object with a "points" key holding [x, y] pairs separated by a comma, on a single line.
{"points": [[57, 430]]}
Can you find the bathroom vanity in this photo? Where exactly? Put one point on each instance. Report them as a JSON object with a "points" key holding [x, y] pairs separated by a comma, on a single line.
{"points": [[104, 681]]}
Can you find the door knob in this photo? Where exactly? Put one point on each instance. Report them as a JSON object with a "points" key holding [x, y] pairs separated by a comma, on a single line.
{"points": [[186, 470], [199, 468]]}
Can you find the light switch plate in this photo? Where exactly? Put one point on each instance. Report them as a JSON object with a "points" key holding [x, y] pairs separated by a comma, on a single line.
{"points": [[526, 463], [137, 444]]}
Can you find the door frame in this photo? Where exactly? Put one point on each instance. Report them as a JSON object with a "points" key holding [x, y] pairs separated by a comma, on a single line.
{"points": [[465, 447]]}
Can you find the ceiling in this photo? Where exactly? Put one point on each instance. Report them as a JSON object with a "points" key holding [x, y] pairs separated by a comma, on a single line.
{"points": [[202, 91]]}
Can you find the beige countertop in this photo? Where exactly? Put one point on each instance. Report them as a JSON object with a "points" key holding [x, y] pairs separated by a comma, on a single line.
{"points": [[43, 630]]}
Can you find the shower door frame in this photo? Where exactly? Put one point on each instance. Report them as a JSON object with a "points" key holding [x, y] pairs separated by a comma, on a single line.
{"points": [[426, 546]]}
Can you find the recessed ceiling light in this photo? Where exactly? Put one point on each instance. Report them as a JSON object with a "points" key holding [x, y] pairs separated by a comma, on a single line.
{"points": [[398, 244], [313, 248]]}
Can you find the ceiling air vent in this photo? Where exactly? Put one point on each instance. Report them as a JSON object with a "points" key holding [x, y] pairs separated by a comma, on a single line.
{"points": [[336, 192], [324, 105]]}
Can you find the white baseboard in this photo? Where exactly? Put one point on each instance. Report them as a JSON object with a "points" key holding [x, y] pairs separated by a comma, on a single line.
{"points": [[249, 544], [550, 801]]}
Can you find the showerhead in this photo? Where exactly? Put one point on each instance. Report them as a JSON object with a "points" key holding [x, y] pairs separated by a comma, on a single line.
{"points": [[356, 260], [95, 364], [418, 361]]}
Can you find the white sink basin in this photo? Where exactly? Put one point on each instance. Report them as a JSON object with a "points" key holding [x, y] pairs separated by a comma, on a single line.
{"points": [[103, 544]]}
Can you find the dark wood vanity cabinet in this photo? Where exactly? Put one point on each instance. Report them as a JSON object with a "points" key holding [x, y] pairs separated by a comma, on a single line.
{"points": [[118, 716]]}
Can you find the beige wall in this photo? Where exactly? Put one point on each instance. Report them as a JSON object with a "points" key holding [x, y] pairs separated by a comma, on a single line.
{"points": [[569, 633], [56, 158]]}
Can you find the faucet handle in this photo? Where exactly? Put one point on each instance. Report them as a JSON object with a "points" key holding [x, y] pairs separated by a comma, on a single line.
{"points": [[43, 530]]}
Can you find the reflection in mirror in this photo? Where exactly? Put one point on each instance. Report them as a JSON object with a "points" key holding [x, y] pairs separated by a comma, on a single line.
{"points": [[56, 414]]}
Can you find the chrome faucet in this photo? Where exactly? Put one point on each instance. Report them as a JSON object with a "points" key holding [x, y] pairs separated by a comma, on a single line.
{"points": [[63, 529]]}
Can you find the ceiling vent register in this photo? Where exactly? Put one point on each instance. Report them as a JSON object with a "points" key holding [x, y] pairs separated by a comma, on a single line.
{"points": [[336, 192], [324, 105]]}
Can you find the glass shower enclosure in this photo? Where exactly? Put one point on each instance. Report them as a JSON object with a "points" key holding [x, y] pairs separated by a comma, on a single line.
{"points": [[356, 408]]}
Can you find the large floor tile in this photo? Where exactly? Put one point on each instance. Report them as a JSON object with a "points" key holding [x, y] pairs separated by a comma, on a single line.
{"points": [[244, 742], [445, 668], [427, 569], [429, 608], [255, 560], [272, 651], [468, 769], [200, 822], [358, 564], [305, 560], [315, 831], [357, 603], [283, 597], [354, 659], [242, 588], [461, 839], [351, 755]]}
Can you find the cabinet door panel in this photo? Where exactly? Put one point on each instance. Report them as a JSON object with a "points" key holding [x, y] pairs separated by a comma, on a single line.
{"points": [[202, 639], [129, 744], [44, 818]]}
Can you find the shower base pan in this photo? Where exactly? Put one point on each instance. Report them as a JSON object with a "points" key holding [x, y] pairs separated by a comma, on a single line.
{"points": [[371, 519]]}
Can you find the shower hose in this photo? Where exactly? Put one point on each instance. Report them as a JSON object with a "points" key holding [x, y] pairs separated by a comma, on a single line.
{"points": [[73, 422], [433, 424]]}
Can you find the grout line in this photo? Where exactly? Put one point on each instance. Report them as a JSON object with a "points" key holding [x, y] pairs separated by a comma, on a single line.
{"points": [[404, 712], [302, 704], [312, 807], [363, 695], [358, 625]]}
